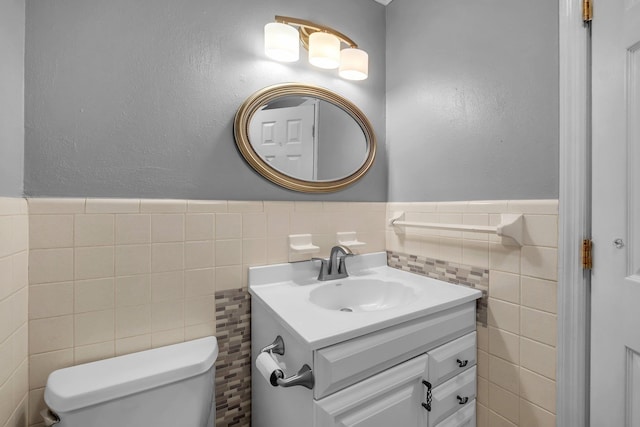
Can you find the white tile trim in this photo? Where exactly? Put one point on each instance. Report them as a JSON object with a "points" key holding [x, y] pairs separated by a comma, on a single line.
{"points": [[112, 206]]}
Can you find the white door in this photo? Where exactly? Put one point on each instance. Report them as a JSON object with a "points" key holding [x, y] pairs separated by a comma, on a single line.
{"points": [[284, 138], [615, 319]]}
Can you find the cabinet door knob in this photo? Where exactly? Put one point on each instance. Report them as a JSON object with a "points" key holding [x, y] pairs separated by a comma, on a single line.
{"points": [[462, 400], [462, 363]]}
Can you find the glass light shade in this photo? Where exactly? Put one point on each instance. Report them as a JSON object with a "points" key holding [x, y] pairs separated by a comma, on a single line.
{"points": [[354, 64], [324, 50], [281, 42]]}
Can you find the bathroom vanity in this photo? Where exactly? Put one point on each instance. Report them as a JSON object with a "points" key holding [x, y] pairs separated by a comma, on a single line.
{"points": [[385, 347]]}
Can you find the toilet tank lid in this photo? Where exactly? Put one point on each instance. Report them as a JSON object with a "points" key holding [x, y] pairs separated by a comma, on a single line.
{"points": [[88, 384]]}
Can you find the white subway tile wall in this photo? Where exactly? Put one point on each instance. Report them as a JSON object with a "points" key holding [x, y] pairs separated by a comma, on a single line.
{"points": [[115, 276], [517, 350], [14, 370]]}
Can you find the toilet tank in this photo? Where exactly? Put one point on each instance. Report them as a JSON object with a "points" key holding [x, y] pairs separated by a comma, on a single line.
{"points": [[163, 387]]}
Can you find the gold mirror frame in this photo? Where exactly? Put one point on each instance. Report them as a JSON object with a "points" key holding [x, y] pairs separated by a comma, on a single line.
{"points": [[264, 96]]}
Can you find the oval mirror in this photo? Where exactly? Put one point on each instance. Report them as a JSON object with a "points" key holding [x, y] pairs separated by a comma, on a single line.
{"points": [[304, 138]]}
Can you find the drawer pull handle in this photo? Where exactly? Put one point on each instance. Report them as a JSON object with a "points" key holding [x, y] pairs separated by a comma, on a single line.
{"points": [[462, 363], [462, 400], [427, 405]]}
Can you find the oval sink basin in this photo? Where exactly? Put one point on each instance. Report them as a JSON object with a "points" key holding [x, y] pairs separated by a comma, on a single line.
{"points": [[362, 295]]}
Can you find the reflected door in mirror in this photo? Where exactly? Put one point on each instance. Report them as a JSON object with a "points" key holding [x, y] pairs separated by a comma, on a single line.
{"points": [[284, 138], [308, 138]]}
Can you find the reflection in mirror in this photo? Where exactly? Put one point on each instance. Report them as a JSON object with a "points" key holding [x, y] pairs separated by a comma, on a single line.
{"points": [[308, 138], [304, 138]]}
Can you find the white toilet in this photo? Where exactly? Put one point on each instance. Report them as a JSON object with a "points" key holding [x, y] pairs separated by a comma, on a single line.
{"points": [[165, 387]]}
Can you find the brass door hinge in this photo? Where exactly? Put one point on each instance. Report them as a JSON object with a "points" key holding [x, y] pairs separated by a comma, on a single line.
{"points": [[587, 257], [587, 10]]}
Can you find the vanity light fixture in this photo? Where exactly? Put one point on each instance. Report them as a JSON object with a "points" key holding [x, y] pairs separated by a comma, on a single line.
{"points": [[282, 43]]}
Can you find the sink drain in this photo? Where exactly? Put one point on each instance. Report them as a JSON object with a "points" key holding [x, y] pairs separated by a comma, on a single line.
{"points": [[347, 310]]}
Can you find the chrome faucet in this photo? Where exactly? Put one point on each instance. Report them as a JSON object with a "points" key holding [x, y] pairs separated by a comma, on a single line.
{"points": [[335, 267]]}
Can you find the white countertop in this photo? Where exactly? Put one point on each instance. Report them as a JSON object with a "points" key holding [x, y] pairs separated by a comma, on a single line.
{"points": [[285, 289]]}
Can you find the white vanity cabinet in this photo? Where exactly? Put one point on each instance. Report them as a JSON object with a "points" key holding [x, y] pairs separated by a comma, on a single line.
{"points": [[434, 389], [386, 348], [399, 397], [419, 373]]}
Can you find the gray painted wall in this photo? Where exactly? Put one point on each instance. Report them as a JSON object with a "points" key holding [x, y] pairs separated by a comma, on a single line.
{"points": [[137, 98], [12, 17], [472, 99]]}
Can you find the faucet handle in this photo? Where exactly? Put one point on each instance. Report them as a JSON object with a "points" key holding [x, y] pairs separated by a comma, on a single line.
{"points": [[324, 263], [324, 268], [342, 266]]}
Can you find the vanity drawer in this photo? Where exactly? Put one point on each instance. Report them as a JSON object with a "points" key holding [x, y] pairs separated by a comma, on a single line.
{"points": [[465, 417], [449, 360], [341, 365], [390, 398], [451, 396]]}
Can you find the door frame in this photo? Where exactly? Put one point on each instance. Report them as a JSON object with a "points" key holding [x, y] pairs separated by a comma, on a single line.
{"points": [[572, 387]]}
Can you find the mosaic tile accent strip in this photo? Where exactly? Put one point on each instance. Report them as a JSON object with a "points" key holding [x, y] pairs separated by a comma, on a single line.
{"points": [[466, 275], [233, 367]]}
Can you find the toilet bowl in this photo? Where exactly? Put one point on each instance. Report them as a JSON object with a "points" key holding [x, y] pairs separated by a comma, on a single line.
{"points": [[163, 387]]}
